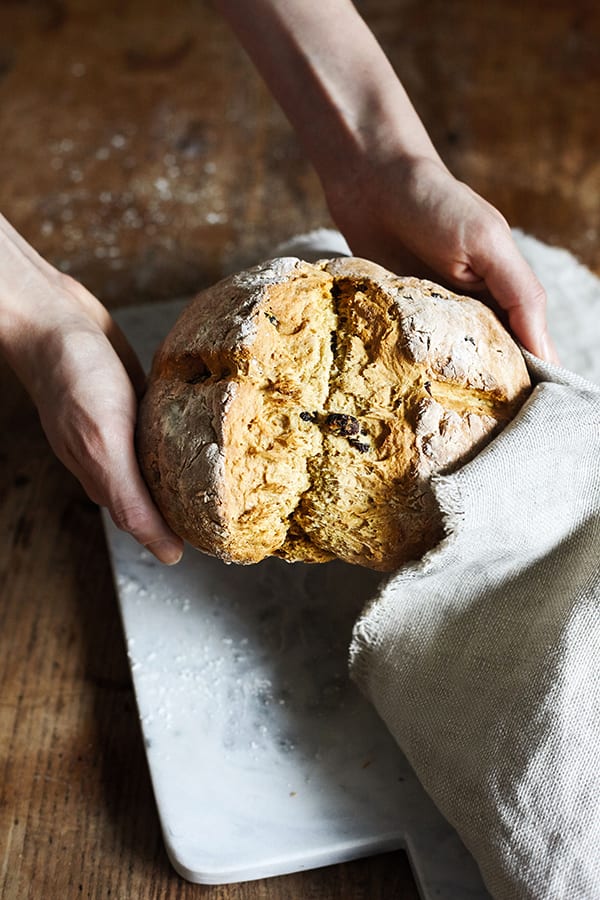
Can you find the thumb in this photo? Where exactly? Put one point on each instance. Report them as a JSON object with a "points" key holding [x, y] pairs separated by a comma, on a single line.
{"points": [[132, 510], [516, 289], [109, 473]]}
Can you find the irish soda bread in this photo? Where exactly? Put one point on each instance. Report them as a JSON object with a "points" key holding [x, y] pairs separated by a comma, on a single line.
{"points": [[299, 410]]}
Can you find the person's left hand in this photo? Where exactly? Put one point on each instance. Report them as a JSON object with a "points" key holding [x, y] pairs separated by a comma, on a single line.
{"points": [[85, 380]]}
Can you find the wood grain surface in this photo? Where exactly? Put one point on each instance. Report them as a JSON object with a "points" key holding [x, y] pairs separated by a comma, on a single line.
{"points": [[141, 153]]}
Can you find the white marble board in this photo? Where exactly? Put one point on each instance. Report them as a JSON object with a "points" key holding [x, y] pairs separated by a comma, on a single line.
{"points": [[264, 757]]}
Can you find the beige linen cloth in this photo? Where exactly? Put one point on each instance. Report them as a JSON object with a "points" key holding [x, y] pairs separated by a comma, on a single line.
{"points": [[483, 659]]}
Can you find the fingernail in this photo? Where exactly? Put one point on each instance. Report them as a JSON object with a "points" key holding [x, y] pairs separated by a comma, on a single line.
{"points": [[549, 351], [168, 552]]}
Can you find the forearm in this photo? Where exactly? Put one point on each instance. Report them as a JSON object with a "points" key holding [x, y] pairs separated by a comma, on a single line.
{"points": [[333, 81]]}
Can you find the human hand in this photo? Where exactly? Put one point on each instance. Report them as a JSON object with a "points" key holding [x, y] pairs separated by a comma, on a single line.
{"points": [[84, 379], [415, 218]]}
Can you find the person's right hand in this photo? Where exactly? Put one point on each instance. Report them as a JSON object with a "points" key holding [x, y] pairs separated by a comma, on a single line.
{"points": [[414, 217], [85, 380]]}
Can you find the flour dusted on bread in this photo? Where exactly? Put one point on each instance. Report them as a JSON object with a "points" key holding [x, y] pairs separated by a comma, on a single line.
{"points": [[299, 410]]}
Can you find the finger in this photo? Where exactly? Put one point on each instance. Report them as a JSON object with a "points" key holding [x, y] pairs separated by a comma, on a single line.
{"points": [[132, 510], [516, 289], [103, 459], [128, 357]]}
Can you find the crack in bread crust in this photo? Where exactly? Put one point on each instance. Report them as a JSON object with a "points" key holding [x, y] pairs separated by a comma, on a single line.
{"points": [[268, 442], [368, 498]]}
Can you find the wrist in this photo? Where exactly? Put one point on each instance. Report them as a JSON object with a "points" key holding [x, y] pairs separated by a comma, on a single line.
{"points": [[23, 338], [363, 184], [34, 306], [26, 284]]}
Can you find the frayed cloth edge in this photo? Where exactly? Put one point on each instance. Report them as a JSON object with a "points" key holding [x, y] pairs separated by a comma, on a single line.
{"points": [[365, 638]]}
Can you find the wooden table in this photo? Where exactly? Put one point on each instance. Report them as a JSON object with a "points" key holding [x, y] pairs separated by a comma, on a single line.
{"points": [[142, 154]]}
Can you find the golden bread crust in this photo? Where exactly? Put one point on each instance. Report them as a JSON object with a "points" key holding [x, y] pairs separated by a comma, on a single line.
{"points": [[300, 410]]}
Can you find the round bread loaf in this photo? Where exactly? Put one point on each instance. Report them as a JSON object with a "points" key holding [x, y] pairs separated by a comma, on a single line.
{"points": [[299, 410]]}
